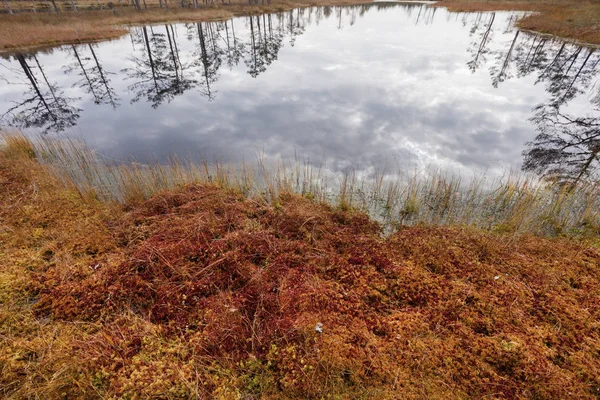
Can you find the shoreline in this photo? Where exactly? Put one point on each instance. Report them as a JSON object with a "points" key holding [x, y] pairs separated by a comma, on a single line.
{"points": [[35, 31], [95, 26]]}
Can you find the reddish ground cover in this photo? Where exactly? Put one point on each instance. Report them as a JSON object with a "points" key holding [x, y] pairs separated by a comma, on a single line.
{"points": [[202, 292]]}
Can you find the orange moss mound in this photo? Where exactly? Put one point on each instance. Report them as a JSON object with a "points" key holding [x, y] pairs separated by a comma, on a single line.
{"points": [[204, 293]]}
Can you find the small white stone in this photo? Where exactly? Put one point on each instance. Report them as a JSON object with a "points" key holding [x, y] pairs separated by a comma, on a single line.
{"points": [[319, 327]]}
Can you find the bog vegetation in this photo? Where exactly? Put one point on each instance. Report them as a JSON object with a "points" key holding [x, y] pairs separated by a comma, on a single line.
{"points": [[43, 23], [185, 281], [38, 24]]}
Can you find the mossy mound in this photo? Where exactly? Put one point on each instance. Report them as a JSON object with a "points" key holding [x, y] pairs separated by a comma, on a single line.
{"points": [[205, 293]]}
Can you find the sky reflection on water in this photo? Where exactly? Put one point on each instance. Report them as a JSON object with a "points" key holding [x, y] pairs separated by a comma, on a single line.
{"points": [[383, 85]]}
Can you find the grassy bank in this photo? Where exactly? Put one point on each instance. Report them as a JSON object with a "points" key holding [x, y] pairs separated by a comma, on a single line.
{"points": [[27, 30], [570, 19], [578, 20], [513, 203], [207, 290]]}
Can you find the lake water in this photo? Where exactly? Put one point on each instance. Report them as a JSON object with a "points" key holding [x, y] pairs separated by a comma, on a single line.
{"points": [[383, 85]]}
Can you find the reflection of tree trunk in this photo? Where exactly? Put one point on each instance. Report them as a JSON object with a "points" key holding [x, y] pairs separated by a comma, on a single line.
{"points": [[33, 81], [227, 41], [537, 51], [233, 33], [577, 74], [485, 37], [270, 27], [108, 92], [587, 164], [253, 42], [419, 15], [530, 49], [203, 56], [507, 59], [84, 72], [259, 31], [150, 57], [45, 78], [575, 56], [556, 57], [175, 46], [8, 7], [265, 28], [172, 54]]}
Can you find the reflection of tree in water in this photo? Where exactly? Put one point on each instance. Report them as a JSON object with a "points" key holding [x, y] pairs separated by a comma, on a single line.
{"points": [[567, 146], [94, 79], [501, 71], [264, 45], [479, 49], [297, 26], [208, 56], [159, 74], [234, 49], [44, 105]]}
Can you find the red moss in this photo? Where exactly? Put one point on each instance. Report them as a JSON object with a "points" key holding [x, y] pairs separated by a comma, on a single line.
{"points": [[443, 312]]}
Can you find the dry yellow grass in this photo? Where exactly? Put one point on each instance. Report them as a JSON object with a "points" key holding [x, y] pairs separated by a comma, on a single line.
{"points": [[570, 19], [27, 30], [199, 292], [578, 20]]}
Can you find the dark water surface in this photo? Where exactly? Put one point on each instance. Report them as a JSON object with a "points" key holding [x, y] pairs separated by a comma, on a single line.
{"points": [[385, 85]]}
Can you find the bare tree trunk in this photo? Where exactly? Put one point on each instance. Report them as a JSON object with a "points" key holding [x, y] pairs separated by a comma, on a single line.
{"points": [[73, 5], [8, 7], [55, 6], [145, 6], [160, 3]]}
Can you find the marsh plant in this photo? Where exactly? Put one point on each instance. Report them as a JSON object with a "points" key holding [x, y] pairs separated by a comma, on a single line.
{"points": [[513, 202]]}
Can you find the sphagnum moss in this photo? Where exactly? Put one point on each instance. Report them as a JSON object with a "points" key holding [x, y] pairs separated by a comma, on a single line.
{"points": [[202, 292]]}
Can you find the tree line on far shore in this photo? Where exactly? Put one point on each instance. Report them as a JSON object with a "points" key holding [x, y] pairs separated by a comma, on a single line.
{"points": [[53, 6]]}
